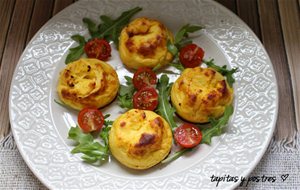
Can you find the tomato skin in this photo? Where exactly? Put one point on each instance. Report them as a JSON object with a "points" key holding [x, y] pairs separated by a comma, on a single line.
{"points": [[188, 135], [145, 99], [144, 77], [98, 48], [191, 55], [90, 119]]}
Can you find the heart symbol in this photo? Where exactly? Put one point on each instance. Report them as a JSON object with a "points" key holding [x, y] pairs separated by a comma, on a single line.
{"points": [[284, 177]]}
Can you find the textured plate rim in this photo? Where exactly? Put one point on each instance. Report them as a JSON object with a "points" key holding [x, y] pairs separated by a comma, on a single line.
{"points": [[221, 7]]}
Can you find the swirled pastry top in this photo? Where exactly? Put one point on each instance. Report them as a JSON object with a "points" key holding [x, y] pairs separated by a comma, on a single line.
{"points": [[140, 139], [144, 43], [87, 82], [200, 93]]}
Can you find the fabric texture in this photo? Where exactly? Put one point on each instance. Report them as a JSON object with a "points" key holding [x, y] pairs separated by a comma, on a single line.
{"points": [[278, 169]]}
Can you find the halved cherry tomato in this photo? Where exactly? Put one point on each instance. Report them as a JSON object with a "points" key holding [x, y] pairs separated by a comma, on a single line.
{"points": [[98, 48], [144, 77], [188, 135], [191, 55], [145, 99], [90, 119]]}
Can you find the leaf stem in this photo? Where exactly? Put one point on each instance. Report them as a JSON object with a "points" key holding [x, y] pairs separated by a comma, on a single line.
{"points": [[176, 155]]}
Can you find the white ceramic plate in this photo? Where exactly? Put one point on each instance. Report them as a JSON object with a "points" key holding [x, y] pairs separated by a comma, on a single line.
{"points": [[40, 126]]}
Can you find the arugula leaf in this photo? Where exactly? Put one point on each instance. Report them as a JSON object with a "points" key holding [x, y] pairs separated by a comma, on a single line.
{"points": [[92, 150], [79, 39], [61, 103], [89, 148], [129, 88], [104, 135], [217, 126], [223, 70], [106, 20], [92, 26], [74, 54], [111, 28], [126, 93], [107, 122], [78, 136], [177, 65], [125, 101], [105, 131], [183, 34], [181, 39], [164, 108], [172, 48]]}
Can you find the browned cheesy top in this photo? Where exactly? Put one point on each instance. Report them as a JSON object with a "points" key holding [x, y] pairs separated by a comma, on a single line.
{"points": [[200, 93], [143, 42]]}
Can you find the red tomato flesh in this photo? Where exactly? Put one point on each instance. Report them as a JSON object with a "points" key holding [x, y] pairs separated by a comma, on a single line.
{"points": [[191, 55], [145, 99], [144, 77], [188, 135], [90, 119], [98, 48]]}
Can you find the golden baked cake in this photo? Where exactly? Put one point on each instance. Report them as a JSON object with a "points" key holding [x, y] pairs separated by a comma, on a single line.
{"points": [[140, 139], [87, 83], [143, 43], [200, 93]]}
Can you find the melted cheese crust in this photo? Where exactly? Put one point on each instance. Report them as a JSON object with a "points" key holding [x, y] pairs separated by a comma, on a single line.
{"points": [[200, 93], [87, 83], [140, 139], [144, 43]]}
